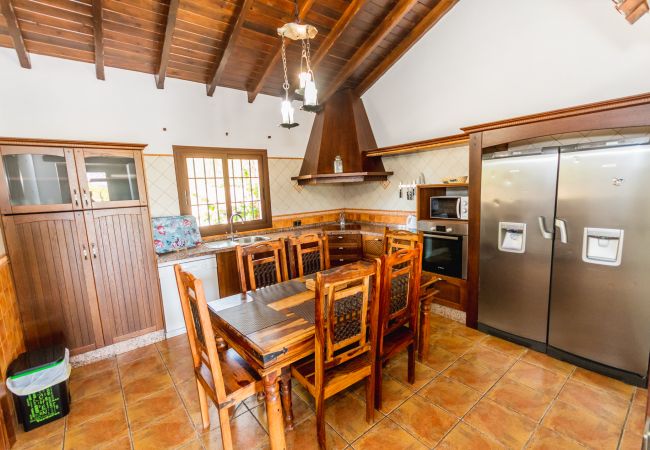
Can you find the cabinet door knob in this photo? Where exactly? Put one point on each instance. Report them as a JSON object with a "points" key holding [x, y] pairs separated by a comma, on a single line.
{"points": [[76, 197], [94, 250], [84, 251]]}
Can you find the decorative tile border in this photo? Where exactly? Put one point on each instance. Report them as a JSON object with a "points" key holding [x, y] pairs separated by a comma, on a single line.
{"points": [[113, 350]]}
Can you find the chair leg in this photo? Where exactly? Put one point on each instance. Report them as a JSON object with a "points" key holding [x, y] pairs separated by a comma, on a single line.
{"points": [[203, 401], [285, 394], [411, 363], [320, 420], [378, 378], [424, 328], [226, 434], [370, 399]]}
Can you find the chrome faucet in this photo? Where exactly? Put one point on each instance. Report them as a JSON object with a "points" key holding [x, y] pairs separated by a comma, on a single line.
{"points": [[232, 216]]}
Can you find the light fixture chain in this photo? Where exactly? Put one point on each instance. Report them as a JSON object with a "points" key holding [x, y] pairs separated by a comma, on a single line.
{"points": [[285, 86]]}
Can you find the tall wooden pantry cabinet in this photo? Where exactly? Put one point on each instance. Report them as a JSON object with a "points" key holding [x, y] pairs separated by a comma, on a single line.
{"points": [[79, 239]]}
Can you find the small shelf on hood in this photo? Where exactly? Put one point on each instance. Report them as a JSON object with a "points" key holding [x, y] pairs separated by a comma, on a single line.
{"points": [[349, 177]]}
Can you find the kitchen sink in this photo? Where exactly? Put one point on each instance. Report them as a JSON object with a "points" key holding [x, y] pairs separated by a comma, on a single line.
{"points": [[244, 240]]}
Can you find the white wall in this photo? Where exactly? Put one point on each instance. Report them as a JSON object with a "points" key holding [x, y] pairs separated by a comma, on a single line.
{"points": [[61, 99], [494, 59]]}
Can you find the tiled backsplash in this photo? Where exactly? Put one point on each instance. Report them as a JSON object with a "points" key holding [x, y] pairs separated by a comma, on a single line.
{"points": [[288, 198]]}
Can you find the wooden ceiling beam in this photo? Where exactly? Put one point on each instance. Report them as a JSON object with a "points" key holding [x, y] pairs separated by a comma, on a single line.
{"points": [[98, 35], [167, 44], [232, 40], [341, 25], [385, 27], [427, 22], [275, 58], [7, 9]]}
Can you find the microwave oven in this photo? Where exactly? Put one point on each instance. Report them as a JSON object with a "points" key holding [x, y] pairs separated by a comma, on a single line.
{"points": [[455, 207]]}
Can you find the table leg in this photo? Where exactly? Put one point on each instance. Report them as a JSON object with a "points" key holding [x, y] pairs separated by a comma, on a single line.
{"points": [[423, 338], [274, 411], [285, 393]]}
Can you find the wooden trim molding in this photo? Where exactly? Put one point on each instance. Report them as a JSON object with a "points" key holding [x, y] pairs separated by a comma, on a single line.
{"points": [[420, 146], [70, 144], [606, 105]]}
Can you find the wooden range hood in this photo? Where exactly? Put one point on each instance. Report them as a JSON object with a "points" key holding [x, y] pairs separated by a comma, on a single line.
{"points": [[342, 128]]}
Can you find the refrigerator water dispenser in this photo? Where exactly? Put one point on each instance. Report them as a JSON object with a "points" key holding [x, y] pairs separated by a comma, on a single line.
{"points": [[512, 237], [602, 246]]}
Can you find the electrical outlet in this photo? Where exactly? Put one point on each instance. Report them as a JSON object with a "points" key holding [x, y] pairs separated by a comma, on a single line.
{"points": [[297, 223]]}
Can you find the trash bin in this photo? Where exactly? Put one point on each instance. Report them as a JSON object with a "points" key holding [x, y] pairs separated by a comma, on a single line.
{"points": [[39, 381]]}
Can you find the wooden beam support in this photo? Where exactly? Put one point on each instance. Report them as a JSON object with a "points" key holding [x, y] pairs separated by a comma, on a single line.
{"points": [[98, 32], [232, 40], [275, 58], [7, 9], [167, 44], [350, 13], [385, 27], [427, 22]]}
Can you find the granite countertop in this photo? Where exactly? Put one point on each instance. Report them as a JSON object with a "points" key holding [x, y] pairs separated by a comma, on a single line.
{"points": [[365, 228]]}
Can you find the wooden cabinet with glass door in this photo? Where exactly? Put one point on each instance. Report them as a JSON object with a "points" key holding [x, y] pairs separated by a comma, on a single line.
{"points": [[110, 178], [37, 179]]}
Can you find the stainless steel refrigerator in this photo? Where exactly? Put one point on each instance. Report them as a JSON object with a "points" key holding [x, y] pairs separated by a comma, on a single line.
{"points": [[565, 253]]}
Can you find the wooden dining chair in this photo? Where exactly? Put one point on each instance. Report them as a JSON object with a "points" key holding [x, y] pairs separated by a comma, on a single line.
{"points": [[225, 378], [346, 312], [261, 264], [399, 297], [401, 239], [308, 254]]}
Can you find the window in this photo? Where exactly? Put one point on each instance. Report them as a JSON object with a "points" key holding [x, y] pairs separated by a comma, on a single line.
{"points": [[214, 183]]}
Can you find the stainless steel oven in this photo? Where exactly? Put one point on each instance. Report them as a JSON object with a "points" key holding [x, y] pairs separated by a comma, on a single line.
{"points": [[444, 248]]}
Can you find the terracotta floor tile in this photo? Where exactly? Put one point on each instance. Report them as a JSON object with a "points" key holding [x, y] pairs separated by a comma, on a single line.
{"points": [[464, 437], [93, 368], [393, 394], [94, 405], [182, 370], [139, 389], [451, 395], [303, 437], [176, 355], [520, 398], [547, 362], [51, 443], [451, 343], [546, 439], [536, 378], [603, 382], [495, 361], [468, 333], [502, 346], [472, 374], [49, 434], [428, 422], [104, 381], [439, 359], [509, 428], [387, 435], [399, 371], [631, 441], [636, 419], [122, 443], [641, 396], [195, 444], [582, 426], [141, 368], [179, 341], [138, 353], [301, 411], [173, 430], [247, 434], [437, 319], [150, 409], [608, 406], [97, 432], [347, 415]]}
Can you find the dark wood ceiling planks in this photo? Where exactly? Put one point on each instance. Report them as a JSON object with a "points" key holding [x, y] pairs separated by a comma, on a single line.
{"points": [[230, 43]]}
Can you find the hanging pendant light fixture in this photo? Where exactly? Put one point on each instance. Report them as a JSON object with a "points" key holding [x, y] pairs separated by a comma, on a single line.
{"points": [[302, 32]]}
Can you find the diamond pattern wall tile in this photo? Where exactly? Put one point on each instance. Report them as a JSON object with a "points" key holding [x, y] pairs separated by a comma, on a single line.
{"points": [[161, 185]]}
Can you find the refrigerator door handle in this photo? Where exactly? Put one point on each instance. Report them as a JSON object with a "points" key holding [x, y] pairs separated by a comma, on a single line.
{"points": [[561, 225], [542, 228]]}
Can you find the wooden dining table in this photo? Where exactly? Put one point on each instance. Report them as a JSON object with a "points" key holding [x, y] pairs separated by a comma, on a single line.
{"points": [[271, 328]]}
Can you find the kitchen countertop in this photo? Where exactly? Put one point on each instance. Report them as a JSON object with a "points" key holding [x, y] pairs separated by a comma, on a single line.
{"points": [[365, 228]]}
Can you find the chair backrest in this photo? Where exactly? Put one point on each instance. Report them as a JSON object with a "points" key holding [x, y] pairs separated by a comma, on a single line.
{"points": [[395, 240], [308, 254], [346, 310], [400, 289], [261, 264], [199, 330]]}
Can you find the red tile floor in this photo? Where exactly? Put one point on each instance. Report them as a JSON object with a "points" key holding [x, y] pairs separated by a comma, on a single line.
{"points": [[473, 392]]}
